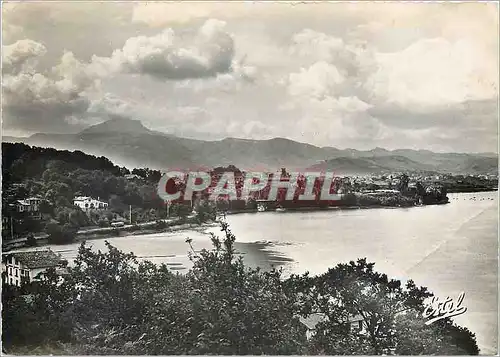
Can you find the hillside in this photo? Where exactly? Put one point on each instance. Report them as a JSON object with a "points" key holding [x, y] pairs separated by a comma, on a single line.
{"points": [[20, 161], [371, 165], [258, 154], [128, 143]]}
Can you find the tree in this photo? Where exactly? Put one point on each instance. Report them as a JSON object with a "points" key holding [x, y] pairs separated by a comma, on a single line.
{"points": [[225, 308], [116, 204], [110, 303], [37, 312], [206, 211], [180, 210], [31, 240], [403, 183], [391, 314], [440, 338], [46, 208], [60, 234], [77, 218], [58, 193], [420, 189]]}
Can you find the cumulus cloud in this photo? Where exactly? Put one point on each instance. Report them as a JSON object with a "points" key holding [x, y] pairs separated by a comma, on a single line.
{"points": [[168, 55], [434, 72], [15, 57], [36, 100], [318, 81], [64, 95], [109, 104], [327, 93], [343, 74], [350, 92]]}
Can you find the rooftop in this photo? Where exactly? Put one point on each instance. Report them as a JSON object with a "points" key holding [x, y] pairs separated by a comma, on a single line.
{"points": [[82, 198], [86, 198], [23, 202], [312, 320], [38, 259]]}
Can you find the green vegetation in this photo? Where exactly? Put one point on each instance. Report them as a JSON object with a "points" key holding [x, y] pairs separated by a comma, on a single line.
{"points": [[58, 176], [461, 183], [110, 303], [382, 200]]}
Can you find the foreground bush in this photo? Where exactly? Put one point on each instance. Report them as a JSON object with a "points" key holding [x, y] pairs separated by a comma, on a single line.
{"points": [[112, 304]]}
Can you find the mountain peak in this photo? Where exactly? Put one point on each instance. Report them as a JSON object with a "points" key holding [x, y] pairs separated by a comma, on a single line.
{"points": [[379, 149], [118, 125]]}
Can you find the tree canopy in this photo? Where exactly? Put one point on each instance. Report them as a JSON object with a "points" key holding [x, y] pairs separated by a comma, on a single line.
{"points": [[112, 303]]}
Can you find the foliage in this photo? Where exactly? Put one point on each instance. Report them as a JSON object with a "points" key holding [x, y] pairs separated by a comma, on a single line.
{"points": [[60, 234], [402, 185], [222, 307], [31, 240], [180, 210], [35, 314], [205, 211], [349, 199], [391, 314], [111, 303], [121, 306], [59, 176]]}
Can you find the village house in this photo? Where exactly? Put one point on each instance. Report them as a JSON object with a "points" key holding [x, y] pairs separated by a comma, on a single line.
{"points": [[20, 267], [356, 323], [89, 203], [30, 204], [28, 207]]}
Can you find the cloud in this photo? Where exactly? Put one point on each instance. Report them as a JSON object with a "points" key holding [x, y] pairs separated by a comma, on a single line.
{"points": [[34, 100], [318, 81], [343, 74], [434, 72], [171, 56], [326, 94], [16, 56], [68, 93], [109, 104], [353, 94]]}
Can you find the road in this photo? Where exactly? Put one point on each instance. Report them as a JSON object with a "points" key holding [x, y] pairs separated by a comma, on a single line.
{"points": [[42, 236]]}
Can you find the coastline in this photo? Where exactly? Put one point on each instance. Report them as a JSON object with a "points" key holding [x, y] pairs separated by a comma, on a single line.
{"points": [[189, 223], [176, 225], [472, 190]]}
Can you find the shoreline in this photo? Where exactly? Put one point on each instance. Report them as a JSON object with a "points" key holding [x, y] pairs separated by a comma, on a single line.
{"points": [[148, 227], [473, 190], [189, 224]]}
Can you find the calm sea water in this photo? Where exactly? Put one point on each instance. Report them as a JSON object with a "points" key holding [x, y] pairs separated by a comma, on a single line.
{"points": [[449, 248]]}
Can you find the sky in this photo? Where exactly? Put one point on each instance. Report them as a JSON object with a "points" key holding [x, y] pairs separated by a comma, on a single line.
{"points": [[358, 75]]}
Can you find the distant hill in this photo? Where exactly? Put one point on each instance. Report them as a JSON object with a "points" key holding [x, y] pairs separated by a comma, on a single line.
{"points": [[21, 161], [128, 143], [371, 165]]}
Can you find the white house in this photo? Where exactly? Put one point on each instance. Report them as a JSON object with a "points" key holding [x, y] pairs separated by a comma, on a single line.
{"points": [[25, 266], [88, 203], [30, 204]]}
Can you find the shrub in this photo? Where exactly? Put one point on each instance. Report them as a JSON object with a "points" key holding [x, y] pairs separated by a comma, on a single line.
{"points": [[110, 303]]}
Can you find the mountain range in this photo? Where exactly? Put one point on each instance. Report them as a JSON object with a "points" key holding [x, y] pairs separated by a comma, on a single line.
{"points": [[129, 143]]}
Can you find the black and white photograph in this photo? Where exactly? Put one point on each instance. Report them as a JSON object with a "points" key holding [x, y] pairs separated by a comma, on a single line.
{"points": [[250, 178]]}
